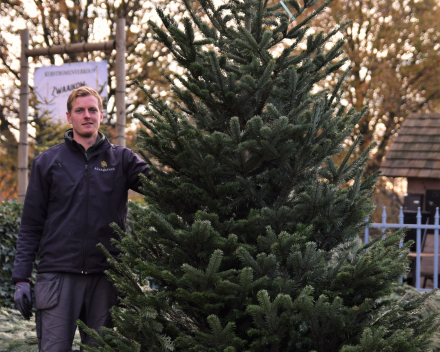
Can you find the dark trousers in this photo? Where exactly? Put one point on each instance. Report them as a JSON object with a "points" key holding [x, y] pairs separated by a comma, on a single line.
{"points": [[63, 298]]}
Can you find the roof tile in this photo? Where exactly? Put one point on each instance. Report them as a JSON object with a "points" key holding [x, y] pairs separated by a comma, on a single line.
{"points": [[416, 149]]}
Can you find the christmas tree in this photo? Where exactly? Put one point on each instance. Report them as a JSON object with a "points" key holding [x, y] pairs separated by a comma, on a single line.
{"points": [[250, 237]]}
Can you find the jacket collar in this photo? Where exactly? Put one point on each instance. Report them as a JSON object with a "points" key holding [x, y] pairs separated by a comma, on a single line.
{"points": [[101, 144]]}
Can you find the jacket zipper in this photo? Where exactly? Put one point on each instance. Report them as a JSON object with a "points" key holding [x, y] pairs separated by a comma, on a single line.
{"points": [[65, 170], [87, 215]]}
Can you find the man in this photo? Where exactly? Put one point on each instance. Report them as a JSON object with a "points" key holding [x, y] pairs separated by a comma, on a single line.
{"points": [[76, 189]]}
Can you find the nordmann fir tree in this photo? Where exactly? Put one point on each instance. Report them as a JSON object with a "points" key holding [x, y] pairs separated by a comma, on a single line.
{"points": [[251, 236]]}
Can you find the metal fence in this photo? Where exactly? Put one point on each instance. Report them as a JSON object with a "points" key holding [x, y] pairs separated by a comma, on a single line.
{"points": [[419, 227]]}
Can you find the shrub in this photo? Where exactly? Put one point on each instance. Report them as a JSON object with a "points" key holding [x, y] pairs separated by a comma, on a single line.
{"points": [[10, 219]]}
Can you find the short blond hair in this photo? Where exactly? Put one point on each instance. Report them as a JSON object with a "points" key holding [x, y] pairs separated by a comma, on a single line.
{"points": [[83, 92]]}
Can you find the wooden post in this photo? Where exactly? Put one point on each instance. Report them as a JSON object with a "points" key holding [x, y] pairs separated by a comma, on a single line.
{"points": [[24, 103], [120, 82], [72, 48]]}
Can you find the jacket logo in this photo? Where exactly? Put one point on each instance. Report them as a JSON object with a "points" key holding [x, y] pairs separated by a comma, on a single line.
{"points": [[104, 167]]}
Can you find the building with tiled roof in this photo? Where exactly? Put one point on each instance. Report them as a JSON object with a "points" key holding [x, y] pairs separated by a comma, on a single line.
{"points": [[415, 154]]}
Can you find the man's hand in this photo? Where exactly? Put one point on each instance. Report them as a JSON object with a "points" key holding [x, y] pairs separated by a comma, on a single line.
{"points": [[23, 299]]}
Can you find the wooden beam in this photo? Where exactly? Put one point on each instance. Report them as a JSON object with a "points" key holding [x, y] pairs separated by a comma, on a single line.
{"points": [[71, 48], [120, 82], [23, 114]]}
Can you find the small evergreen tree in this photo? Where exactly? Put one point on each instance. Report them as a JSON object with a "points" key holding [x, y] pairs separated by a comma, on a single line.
{"points": [[251, 239]]}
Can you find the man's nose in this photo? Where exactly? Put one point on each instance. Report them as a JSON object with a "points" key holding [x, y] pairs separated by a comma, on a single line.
{"points": [[86, 113]]}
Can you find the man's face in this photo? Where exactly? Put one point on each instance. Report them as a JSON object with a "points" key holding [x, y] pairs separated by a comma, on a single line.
{"points": [[85, 116]]}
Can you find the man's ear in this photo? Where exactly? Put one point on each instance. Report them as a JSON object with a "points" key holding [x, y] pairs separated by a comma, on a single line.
{"points": [[68, 117]]}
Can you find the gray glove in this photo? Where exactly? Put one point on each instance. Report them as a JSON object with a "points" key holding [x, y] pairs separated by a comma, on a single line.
{"points": [[23, 299]]}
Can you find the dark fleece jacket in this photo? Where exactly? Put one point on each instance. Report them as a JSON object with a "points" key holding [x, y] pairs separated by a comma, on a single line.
{"points": [[72, 198]]}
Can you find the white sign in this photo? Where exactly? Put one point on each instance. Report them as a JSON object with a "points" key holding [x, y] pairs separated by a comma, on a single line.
{"points": [[53, 84]]}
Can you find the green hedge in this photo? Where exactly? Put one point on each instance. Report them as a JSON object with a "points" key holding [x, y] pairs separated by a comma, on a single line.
{"points": [[10, 217]]}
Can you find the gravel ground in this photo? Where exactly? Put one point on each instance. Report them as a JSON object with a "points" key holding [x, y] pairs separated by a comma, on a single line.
{"points": [[18, 334]]}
